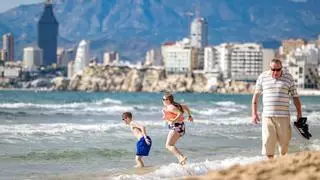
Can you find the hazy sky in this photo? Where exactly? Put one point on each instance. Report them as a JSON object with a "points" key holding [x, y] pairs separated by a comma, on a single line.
{"points": [[8, 4]]}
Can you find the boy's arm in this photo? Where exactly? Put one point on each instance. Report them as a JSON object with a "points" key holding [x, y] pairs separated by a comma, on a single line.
{"points": [[143, 131]]}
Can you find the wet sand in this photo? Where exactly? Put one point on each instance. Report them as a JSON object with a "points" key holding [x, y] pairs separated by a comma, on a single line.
{"points": [[298, 166]]}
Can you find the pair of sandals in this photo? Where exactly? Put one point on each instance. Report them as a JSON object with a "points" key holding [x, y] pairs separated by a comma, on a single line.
{"points": [[302, 127]]}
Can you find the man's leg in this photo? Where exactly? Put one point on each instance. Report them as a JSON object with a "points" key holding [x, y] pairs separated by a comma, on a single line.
{"points": [[269, 137], [283, 128]]}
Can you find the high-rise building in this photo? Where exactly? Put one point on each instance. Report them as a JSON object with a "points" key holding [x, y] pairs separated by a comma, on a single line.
{"points": [[199, 33], [82, 57], [8, 47], [47, 34], [32, 57]]}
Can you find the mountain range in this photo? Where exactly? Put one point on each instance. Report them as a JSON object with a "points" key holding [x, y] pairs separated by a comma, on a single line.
{"points": [[131, 27]]}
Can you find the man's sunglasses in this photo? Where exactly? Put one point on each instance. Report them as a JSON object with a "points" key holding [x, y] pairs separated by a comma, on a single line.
{"points": [[276, 69]]}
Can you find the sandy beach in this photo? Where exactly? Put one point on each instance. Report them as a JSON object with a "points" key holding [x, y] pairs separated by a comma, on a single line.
{"points": [[303, 165]]}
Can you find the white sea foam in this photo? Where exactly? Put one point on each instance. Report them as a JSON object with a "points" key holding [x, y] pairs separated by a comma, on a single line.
{"points": [[224, 120], [200, 168], [59, 106], [229, 104], [56, 129], [59, 129]]}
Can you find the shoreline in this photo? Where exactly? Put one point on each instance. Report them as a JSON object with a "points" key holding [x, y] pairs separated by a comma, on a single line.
{"points": [[297, 166]]}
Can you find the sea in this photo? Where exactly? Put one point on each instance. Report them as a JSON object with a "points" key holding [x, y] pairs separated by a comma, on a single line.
{"points": [[80, 135]]}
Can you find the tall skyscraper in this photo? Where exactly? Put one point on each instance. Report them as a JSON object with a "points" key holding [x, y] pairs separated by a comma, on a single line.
{"points": [[199, 33], [47, 34], [8, 47], [82, 57]]}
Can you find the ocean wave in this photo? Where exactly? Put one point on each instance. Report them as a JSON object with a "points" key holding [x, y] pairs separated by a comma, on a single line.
{"points": [[69, 154], [20, 105], [174, 170], [224, 121], [56, 129], [63, 129], [229, 104]]}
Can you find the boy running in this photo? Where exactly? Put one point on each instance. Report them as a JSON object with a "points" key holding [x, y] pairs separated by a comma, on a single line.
{"points": [[144, 142]]}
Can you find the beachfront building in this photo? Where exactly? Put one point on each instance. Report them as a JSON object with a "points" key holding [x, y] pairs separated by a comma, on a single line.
{"points": [[111, 58], [179, 56], [303, 64], [32, 58], [246, 61], [8, 47], [48, 34], [199, 33], [224, 59], [82, 57], [211, 59]]}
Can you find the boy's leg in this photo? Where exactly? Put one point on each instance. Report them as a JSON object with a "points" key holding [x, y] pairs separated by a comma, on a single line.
{"points": [[139, 162]]}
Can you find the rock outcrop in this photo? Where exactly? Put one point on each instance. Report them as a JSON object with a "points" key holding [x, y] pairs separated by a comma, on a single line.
{"points": [[116, 78]]}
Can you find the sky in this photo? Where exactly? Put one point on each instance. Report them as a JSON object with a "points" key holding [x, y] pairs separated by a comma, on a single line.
{"points": [[8, 4]]}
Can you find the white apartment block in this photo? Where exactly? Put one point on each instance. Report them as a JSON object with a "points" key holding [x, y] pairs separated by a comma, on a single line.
{"points": [[211, 59], [303, 64], [223, 54], [178, 56], [32, 57], [246, 61]]}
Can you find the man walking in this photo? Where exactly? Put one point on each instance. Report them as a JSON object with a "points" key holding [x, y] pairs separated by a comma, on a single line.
{"points": [[277, 86]]}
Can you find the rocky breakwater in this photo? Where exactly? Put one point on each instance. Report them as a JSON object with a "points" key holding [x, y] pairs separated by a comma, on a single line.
{"points": [[122, 78]]}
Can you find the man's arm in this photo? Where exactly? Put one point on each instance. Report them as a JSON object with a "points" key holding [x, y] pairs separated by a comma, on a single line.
{"points": [[254, 108], [297, 103]]}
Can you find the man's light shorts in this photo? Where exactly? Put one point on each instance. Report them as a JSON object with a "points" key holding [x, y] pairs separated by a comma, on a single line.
{"points": [[275, 130]]}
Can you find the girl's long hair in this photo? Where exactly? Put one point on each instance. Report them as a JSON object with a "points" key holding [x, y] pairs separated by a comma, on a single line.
{"points": [[170, 97]]}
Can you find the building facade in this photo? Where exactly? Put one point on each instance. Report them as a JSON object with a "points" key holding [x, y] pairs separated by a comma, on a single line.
{"points": [[82, 57], [178, 57], [111, 58], [8, 47], [303, 64], [199, 33], [32, 57], [246, 61]]}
